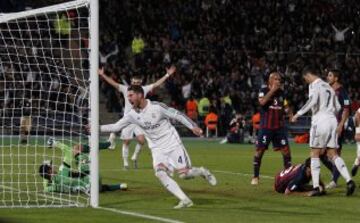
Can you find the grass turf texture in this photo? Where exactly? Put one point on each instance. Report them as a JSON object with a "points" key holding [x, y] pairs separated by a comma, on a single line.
{"points": [[232, 200]]}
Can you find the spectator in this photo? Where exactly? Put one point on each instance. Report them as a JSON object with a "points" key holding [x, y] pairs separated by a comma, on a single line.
{"points": [[211, 122]]}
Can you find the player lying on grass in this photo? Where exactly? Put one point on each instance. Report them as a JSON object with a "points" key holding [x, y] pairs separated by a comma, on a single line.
{"points": [[68, 179], [167, 149], [295, 179]]}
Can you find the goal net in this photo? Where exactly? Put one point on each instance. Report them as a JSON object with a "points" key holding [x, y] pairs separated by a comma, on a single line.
{"points": [[44, 101]]}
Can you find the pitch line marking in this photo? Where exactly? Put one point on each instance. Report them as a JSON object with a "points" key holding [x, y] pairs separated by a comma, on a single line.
{"points": [[139, 215]]}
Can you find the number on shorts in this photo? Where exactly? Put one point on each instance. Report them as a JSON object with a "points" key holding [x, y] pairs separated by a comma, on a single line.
{"points": [[264, 139], [180, 159]]}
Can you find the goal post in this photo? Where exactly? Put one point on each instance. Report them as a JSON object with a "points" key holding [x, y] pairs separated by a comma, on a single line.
{"points": [[48, 98]]}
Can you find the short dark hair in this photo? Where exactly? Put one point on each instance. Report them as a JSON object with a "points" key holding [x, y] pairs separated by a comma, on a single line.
{"points": [[137, 77], [136, 88], [44, 171], [336, 73], [309, 69]]}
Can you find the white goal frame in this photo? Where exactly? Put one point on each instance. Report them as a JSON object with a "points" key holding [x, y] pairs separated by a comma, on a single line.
{"points": [[93, 6]]}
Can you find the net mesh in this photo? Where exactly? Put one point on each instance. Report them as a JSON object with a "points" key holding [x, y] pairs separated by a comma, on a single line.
{"points": [[44, 81]]}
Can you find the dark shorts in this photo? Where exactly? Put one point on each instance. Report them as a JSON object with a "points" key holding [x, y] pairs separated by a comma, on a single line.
{"points": [[278, 137]]}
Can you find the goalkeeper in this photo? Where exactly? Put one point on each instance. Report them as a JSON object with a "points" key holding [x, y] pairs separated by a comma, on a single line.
{"points": [[66, 180]]}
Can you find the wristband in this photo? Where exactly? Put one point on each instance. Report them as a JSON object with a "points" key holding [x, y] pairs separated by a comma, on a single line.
{"points": [[167, 75]]}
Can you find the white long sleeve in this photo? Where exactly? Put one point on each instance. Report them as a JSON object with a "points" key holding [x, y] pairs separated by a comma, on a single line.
{"points": [[116, 127], [177, 115], [311, 102]]}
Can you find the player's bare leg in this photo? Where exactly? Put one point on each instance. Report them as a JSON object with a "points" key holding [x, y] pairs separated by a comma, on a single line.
{"points": [[125, 153], [140, 142], [162, 173], [257, 163], [341, 166]]}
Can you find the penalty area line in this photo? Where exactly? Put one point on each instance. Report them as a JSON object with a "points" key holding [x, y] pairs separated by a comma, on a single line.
{"points": [[139, 215]]}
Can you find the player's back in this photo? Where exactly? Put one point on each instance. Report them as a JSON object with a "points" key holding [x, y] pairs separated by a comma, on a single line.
{"points": [[283, 178], [326, 104]]}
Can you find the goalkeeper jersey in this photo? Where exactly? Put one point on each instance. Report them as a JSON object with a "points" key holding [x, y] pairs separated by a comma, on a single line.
{"points": [[154, 120], [64, 182]]}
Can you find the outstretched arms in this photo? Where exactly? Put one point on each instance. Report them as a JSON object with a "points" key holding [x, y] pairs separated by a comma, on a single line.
{"points": [[116, 127], [180, 117], [169, 71], [108, 80]]}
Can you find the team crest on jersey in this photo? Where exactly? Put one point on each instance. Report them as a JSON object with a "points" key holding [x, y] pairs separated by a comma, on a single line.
{"points": [[153, 115]]}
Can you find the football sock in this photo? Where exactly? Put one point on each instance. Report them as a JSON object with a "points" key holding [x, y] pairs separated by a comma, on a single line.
{"points": [[287, 160], [315, 171], [170, 184], [193, 172], [257, 164], [106, 187], [327, 162], [104, 145], [340, 165], [136, 152], [335, 174], [125, 154]]}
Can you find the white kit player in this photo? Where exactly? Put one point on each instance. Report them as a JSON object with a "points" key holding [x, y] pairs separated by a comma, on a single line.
{"points": [[130, 131], [356, 165], [167, 149], [324, 106]]}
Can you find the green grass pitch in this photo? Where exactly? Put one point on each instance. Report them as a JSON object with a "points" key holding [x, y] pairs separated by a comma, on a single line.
{"points": [[232, 200]]}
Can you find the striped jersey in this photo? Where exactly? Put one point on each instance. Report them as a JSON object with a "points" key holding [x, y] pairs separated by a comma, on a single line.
{"points": [[272, 114]]}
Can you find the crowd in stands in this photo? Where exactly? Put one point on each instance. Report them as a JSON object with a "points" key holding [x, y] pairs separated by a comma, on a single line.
{"points": [[224, 49], [32, 71]]}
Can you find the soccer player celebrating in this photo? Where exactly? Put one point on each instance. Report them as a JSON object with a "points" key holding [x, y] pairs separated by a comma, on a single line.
{"points": [[295, 179], [168, 152], [334, 79], [357, 139], [272, 124], [66, 179], [128, 133], [324, 105]]}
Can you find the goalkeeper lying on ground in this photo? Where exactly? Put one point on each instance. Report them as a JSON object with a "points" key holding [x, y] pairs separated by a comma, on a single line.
{"points": [[66, 180]]}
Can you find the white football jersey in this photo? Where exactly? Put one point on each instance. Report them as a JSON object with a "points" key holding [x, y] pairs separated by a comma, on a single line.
{"points": [[154, 121], [124, 90], [322, 101]]}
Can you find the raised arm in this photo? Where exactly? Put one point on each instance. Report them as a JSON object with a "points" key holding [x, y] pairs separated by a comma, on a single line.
{"points": [[180, 117], [108, 80], [265, 98], [116, 127], [169, 71]]}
